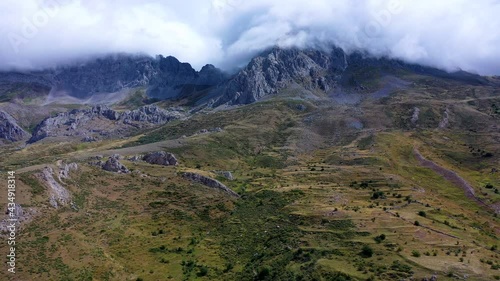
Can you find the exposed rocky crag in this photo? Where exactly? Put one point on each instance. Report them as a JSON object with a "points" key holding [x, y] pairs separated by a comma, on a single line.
{"points": [[213, 183], [161, 158], [326, 70], [149, 114], [415, 115], [173, 76], [114, 165], [58, 195], [22, 216], [445, 121], [101, 122], [65, 169], [274, 70], [10, 130]]}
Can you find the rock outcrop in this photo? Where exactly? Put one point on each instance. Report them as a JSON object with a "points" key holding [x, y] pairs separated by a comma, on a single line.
{"points": [[114, 165], [415, 115], [102, 121], [160, 158], [65, 169], [445, 121], [210, 182], [149, 114], [22, 216], [10, 130], [58, 195]]}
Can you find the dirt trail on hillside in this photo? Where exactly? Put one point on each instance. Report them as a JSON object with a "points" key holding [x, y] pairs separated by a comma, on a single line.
{"points": [[454, 178]]}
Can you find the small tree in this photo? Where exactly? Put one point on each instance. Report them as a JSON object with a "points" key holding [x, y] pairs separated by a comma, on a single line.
{"points": [[379, 238], [366, 251]]}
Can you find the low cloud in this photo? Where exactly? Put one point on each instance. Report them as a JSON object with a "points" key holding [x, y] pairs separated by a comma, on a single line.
{"points": [[449, 34]]}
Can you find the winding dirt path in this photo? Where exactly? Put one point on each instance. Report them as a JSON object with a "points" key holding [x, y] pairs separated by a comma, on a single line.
{"points": [[454, 178]]}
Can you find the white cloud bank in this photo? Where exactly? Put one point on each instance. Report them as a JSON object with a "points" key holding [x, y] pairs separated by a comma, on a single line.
{"points": [[449, 34]]}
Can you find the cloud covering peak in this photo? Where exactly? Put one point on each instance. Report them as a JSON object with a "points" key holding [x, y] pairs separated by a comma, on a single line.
{"points": [[450, 34]]}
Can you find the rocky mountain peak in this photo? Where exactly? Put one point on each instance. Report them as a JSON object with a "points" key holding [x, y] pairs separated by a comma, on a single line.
{"points": [[171, 65], [277, 68]]}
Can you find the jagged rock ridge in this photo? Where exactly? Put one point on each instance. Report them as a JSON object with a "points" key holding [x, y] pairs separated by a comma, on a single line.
{"points": [[102, 121], [164, 77], [274, 70]]}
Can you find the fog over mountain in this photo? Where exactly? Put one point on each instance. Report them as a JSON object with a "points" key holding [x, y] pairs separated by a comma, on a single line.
{"points": [[449, 34]]}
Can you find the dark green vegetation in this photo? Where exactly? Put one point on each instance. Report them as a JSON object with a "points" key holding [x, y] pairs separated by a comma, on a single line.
{"points": [[321, 197]]}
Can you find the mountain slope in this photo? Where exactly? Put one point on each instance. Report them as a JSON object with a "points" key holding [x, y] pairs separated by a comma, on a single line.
{"points": [[346, 167]]}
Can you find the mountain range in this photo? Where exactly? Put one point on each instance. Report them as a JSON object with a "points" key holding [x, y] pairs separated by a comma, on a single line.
{"points": [[167, 78], [110, 79], [304, 164]]}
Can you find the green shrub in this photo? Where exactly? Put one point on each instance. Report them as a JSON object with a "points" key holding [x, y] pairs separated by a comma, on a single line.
{"points": [[378, 194], [203, 271], [366, 251], [379, 238]]}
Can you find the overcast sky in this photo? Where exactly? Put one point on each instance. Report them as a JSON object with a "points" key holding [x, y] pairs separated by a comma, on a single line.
{"points": [[449, 34]]}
